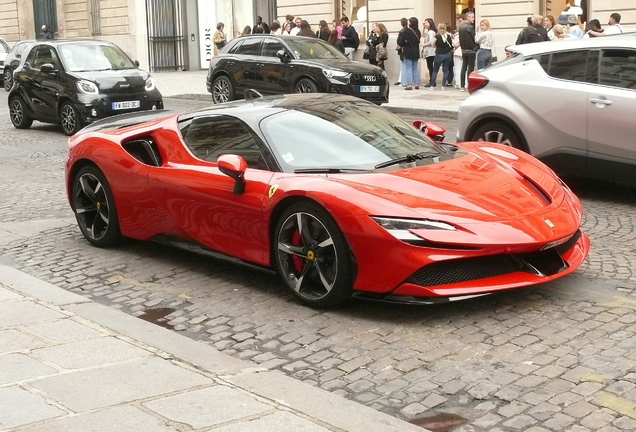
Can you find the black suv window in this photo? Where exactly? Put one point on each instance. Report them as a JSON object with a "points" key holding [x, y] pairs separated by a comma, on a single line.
{"points": [[567, 65], [271, 46], [210, 137], [618, 68], [250, 46]]}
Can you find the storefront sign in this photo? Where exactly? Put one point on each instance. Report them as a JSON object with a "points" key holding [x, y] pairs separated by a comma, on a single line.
{"points": [[207, 27]]}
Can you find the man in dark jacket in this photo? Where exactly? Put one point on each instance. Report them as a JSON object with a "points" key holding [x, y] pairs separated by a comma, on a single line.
{"points": [[45, 33], [350, 38], [536, 32], [523, 33], [469, 47]]}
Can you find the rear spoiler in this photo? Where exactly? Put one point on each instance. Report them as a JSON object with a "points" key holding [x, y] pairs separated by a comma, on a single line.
{"points": [[124, 120]]}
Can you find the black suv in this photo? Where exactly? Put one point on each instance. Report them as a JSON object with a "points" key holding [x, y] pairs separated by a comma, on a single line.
{"points": [[74, 83], [291, 64], [12, 61]]}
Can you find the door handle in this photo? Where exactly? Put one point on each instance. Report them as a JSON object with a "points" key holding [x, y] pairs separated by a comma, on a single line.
{"points": [[231, 63], [260, 65], [601, 100]]}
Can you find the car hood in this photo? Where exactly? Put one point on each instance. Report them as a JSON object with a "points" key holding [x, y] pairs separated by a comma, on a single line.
{"points": [[473, 187], [125, 80], [344, 65]]}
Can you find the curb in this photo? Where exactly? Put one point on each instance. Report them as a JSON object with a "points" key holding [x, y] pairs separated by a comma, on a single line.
{"points": [[332, 411]]}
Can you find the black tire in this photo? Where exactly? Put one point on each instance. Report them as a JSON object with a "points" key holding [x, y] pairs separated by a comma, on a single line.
{"points": [[7, 76], [498, 132], [70, 119], [312, 256], [18, 114], [222, 90], [94, 208], [305, 85]]}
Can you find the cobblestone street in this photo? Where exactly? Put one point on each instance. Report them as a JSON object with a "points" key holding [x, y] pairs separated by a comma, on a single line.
{"points": [[560, 356]]}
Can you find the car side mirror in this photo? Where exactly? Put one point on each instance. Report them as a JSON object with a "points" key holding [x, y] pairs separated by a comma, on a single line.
{"points": [[233, 166], [47, 68], [282, 55], [136, 63]]}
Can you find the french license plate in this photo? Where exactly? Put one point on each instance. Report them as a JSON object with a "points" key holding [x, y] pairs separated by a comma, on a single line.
{"points": [[126, 105], [369, 89]]}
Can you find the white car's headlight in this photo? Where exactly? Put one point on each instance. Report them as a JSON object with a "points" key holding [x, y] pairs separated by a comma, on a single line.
{"points": [[336, 77], [150, 84], [400, 228], [87, 87]]}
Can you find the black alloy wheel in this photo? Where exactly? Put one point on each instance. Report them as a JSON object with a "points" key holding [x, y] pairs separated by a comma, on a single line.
{"points": [[69, 119], [8, 79], [500, 133], [313, 256], [305, 85], [222, 90], [18, 114], [94, 208]]}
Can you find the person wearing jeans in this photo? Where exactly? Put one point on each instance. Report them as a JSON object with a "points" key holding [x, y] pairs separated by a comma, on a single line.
{"points": [[410, 44], [443, 44], [486, 42]]}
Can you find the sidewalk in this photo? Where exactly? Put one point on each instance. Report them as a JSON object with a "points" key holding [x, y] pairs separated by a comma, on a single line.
{"points": [[68, 364], [437, 103]]}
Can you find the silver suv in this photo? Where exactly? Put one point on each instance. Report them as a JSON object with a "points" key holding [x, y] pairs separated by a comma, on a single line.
{"points": [[570, 103]]}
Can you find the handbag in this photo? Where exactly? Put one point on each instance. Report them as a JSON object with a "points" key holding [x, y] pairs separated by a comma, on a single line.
{"points": [[381, 52], [365, 55]]}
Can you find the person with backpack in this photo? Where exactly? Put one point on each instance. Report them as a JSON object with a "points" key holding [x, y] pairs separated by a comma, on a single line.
{"points": [[350, 38], [536, 32], [443, 44]]}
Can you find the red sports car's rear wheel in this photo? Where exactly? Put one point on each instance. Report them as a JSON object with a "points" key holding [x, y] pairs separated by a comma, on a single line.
{"points": [[313, 257], [95, 208]]}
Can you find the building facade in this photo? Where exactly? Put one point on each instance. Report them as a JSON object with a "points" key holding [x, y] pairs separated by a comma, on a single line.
{"points": [[176, 34]]}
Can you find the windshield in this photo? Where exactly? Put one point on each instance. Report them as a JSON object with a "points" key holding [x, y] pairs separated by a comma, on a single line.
{"points": [[341, 135], [4, 48], [313, 48], [94, 57]]}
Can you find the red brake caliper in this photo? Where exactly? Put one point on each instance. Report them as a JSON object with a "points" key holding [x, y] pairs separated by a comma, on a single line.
{"points": [[298, 261]]}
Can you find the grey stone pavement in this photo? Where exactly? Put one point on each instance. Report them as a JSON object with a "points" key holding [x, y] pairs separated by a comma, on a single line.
{"points": [[69, 364], [435, 103]]}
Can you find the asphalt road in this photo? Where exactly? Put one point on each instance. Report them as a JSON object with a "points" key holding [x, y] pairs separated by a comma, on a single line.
{"points": [[554, 357]]}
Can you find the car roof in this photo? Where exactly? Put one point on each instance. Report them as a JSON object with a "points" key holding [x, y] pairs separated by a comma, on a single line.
{"points": [[72, 41], [625, 40], [276, 103]]}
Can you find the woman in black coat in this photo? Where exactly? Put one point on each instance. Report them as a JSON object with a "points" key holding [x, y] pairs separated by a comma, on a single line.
{"points": [[410, 44], [382, 37]]}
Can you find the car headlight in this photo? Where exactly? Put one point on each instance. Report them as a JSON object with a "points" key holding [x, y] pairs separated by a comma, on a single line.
{"points": [[336, 77], [400, 228], [87, 87], [150, 84]]}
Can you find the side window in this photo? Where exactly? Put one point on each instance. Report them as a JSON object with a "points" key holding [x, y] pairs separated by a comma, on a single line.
{"points": [[618, 68], [210, 137], [569, 65], [45, 54], [235, 47], [30, 60], [251, 46], [271, 46]]}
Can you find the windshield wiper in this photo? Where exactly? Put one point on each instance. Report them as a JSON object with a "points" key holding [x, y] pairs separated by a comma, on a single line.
{"points": [[328, 170], [408, 158]]}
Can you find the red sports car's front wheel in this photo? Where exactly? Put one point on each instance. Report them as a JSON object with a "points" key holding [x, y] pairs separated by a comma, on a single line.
{"points": [[95, 208], [313, 257]]}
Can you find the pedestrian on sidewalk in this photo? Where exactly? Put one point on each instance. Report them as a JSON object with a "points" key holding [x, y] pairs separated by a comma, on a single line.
{"points": [[219, 38], [469, 48], [400, 49], [486, 41], [411, 47], [428, 49], [614, 27], [350, 38], [443, 44], [457, 52]]}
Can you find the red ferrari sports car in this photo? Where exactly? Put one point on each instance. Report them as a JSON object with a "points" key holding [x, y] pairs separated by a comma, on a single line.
{"points": [[337, 195]]}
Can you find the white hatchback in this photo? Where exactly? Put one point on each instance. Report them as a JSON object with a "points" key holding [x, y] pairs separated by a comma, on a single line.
{"points": [[570, 103]]}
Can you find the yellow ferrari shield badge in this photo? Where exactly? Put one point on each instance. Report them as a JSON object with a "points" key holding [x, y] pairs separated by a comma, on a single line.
{"points": [[272, 190]]}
